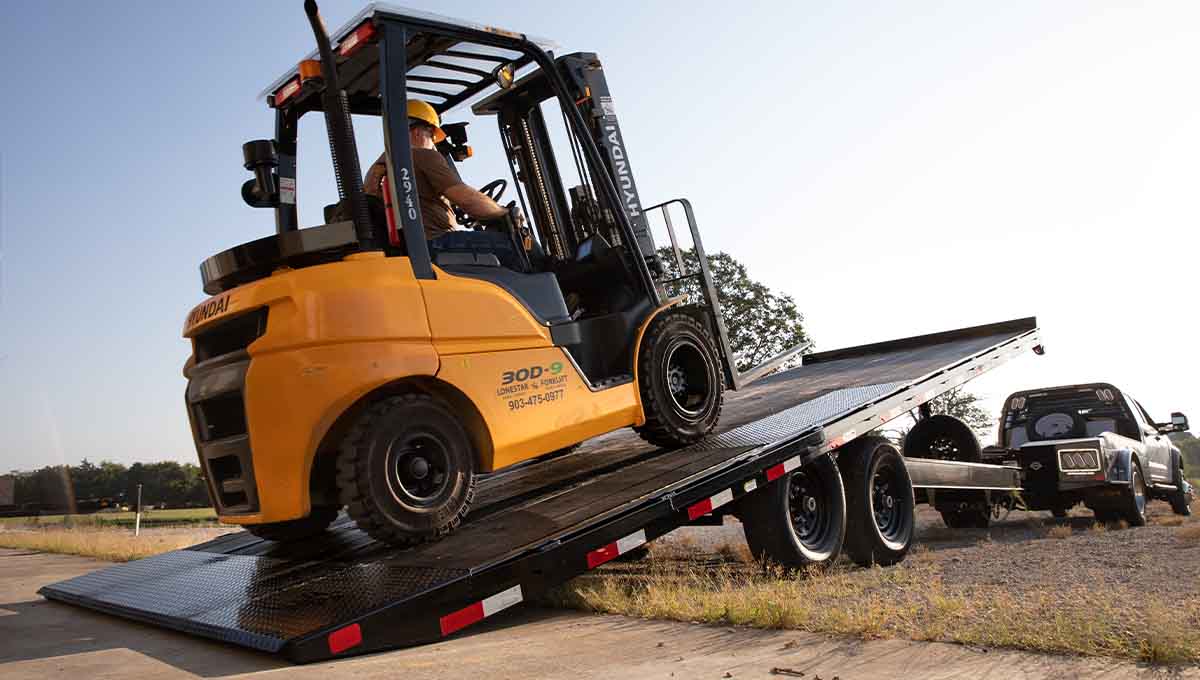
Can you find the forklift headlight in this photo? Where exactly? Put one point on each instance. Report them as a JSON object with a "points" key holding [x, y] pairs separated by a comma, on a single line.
{"points": [[504, 75]]}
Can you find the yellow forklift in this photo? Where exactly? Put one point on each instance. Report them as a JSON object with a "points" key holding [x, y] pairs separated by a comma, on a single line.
{"points": [[356, 364]]}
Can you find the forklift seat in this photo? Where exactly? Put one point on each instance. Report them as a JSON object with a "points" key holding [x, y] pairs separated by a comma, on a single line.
{"points": [[452, 248]]}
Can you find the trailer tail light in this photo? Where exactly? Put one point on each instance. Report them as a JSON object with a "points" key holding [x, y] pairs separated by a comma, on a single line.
{"points": [[345, 638], [289, 90], [354, 42]]}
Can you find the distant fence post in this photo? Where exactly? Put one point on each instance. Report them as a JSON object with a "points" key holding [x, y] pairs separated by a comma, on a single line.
{"points": [[137, 519]]}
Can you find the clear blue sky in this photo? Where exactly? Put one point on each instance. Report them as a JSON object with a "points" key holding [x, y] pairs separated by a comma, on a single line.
{"points": [[897, 167]]}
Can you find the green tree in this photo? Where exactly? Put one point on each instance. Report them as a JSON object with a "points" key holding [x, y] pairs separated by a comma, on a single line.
{"points": [[761, 323], [1189, 446]]}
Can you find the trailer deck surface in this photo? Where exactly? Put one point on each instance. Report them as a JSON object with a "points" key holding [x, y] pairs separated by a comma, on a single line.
{"points": [[536, 525]]}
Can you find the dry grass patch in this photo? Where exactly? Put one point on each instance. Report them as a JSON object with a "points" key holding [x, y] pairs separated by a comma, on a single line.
{"points": [[1166, 520], [1191, 534], [116, 545], [908, 601], [1060, 531]]}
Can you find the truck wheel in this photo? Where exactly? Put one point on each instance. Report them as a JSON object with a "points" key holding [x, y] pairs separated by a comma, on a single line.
{"points": [[679, 378], [316, 522], [1133, 498], [880, 509], [799, 519], [942, 437], [406, 471], [1180, 498], [970, 518]]}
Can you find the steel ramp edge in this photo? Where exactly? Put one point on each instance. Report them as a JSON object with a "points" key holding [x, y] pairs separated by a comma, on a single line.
{"points": [[316, 607]]}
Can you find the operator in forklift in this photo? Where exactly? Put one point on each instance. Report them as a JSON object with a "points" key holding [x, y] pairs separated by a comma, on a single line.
{"points": [[438, 185]]}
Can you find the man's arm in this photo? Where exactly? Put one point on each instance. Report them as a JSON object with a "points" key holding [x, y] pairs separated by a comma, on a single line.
{"points": [[374, 175], [473, 202]]}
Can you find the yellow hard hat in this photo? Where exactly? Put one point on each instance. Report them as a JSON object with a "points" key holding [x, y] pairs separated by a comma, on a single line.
{"points": [[424, 112]]}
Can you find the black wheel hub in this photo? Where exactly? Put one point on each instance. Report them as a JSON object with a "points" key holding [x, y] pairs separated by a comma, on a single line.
{"points": [[688, 377], [808, 506], [418, 469], [887, 504]]}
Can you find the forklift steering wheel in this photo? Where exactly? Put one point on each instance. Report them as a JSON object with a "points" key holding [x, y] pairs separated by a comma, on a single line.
{"points": [[494, 189]]}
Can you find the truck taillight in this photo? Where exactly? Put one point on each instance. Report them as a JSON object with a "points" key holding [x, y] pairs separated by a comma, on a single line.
{"points": [[353, 42]]}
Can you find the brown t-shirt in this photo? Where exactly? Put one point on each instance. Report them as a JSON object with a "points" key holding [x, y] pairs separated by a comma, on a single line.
{"points": [[434, 176]]}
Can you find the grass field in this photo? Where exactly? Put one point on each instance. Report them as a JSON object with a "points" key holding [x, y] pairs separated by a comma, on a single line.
{"points": [[910, 602], [151, 518], [106, 543]]}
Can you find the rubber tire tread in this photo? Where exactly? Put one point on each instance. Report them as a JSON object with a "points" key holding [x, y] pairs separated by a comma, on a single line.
{"points": [[1178, 499], [967, 519], [656, 430], [863, 544], [921, 436], [353, 478], [1128, 511], [767, 535], [317, 521]]}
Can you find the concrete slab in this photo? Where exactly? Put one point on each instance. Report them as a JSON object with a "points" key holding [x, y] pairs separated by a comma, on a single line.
{"points": [[40, 639]]}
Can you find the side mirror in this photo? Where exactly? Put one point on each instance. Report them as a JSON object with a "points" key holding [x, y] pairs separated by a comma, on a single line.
{"points": [[1179, 422]]}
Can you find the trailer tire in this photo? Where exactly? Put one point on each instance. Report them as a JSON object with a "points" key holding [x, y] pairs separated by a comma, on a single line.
{"points": [[880, 508], [406, 471], [679, 377], [317, 521], [942, 437], [1180, 501], [799, 520]]}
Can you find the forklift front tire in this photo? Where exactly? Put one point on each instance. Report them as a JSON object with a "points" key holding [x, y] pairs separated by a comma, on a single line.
{"points": [[316, 522], [679, 377], [406, 471]]}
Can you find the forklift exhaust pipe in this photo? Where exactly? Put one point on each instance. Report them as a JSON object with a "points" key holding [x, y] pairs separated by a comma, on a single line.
{"points": [[342, 145]]}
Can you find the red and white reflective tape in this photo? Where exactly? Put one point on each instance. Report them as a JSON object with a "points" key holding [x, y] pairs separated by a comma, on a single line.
{"points": [[615, 549], [709, 504], [776, 471], [344, 638], [480, 610]]}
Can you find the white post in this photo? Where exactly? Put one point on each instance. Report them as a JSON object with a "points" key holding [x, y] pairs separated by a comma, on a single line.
{"points": [[137, 520]]}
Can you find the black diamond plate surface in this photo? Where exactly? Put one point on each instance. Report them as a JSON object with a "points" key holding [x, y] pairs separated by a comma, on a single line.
{"points": [[258, 602]]}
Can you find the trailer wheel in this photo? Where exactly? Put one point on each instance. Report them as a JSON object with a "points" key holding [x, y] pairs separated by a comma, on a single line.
{"points": [[679, 379], [942, 437], [1133, 498], [881, 517], [1180, 498], [316, 522], [799, 519], [406, 471]]}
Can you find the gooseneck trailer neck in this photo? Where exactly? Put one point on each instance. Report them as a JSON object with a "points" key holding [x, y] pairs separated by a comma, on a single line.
{"points": [[344, 594]]}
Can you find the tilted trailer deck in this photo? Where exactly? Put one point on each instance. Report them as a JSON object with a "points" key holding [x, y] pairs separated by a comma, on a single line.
{"points": [[538, 526]]}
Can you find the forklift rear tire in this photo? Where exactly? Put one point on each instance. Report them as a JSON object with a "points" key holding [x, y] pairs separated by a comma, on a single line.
{"points": [[880, 508], [679, 376], [798, 520], [315, 523], [406, 471]]}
